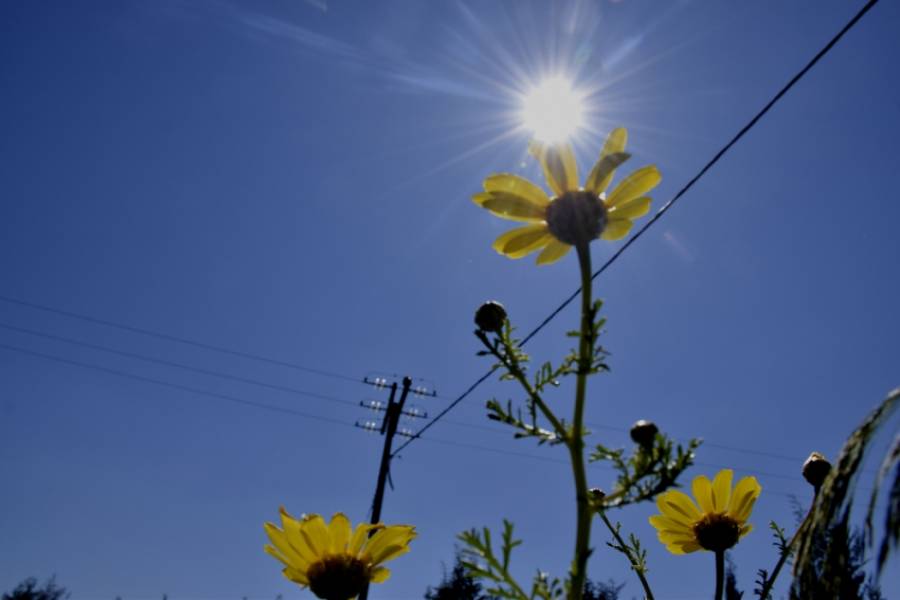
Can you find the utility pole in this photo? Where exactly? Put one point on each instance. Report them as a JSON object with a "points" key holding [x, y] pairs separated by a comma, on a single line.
{"points": [[390, 422], [389, 428]]}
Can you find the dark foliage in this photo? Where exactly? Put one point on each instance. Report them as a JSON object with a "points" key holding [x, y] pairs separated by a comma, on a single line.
{"points": [[29, 590], [838, 561], [602, 591], [457, 586], [731, 590]]}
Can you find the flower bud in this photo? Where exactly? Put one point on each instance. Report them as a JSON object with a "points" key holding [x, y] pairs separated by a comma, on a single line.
{"points": [[490, 317], [644, 433], [816, 469]]}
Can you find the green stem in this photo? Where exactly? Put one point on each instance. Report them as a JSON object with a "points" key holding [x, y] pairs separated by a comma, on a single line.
{"points": [[634, 562], [575, 442], [720, 573]]}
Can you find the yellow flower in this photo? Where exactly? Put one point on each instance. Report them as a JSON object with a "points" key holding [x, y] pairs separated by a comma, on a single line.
{"points": [[335, 561], [574, 215], [719, 521]]}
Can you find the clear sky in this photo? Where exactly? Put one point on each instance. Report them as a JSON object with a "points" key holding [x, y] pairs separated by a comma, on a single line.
{"points": [[291, 179]]}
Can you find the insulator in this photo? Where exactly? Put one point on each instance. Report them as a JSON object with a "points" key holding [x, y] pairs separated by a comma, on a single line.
{"points": [[368, 425]]}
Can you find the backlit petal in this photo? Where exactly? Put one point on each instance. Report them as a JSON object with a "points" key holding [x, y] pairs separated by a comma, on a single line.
{"points": [[515, 208], [702, 489], [295, 575], [554, 251], [616, 229], [744, 496], [292, 555], [614, 144], [380, 575], [339, 532], [387, 553], [520, 242], [603, 171], [635, 185], [634, 208], [745, 529], [677, 505], [518, 186], [360, 536], [389, 543], [558, 163], [664, 523], [315, 532], [690, 547], [722, 489]]}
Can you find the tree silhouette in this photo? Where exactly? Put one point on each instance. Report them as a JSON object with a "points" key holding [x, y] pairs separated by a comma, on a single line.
{"points": [[457, 586], [29, 590]]}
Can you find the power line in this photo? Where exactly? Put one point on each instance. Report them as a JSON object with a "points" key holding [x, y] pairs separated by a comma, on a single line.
{"points": [[168, 363], [301, 414], [177, 339], [296, 391], [665, 208], [175, 386]]}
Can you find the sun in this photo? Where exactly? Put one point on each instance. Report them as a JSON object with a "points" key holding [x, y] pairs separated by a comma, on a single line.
{"points": [[553, 110]]}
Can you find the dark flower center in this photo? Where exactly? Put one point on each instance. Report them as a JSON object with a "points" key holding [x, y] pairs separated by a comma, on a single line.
{"points": [[576, 217], [337, 577], [717, 532]]}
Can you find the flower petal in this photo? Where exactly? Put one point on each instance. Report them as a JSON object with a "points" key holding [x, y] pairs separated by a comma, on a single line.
{"points": [[703, 492], [722, 489], [386, 553], [518, 186], [745, 529], [601, 175], [522, 241], [632, 209], [295, 575], [742, 499], [389, 543], [558, 163], [664, 523], [515, 208], [554, 251], [689, 547], [603, 171], [635, 185], [296, 554], [339, 532], [380, 575], [315, 533], [616, 229], [361, 536], [677, 505]]}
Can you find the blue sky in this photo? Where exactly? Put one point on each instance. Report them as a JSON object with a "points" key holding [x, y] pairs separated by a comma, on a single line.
{"points": [[290, 179]]}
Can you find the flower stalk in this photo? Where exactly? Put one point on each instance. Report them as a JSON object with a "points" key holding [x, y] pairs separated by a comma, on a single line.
{"points": [[575, 441], [720, 573]]}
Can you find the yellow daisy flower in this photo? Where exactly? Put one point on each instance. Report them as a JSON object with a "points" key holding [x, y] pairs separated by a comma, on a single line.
{"points": [[574, 215], [716, 524], [335, 561]]}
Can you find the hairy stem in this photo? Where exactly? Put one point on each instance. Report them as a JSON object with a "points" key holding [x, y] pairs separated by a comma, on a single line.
{"points": [[575, 442], [516, 371], [615, 533]]}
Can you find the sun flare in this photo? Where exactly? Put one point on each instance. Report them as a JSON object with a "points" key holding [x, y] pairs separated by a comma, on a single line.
{"points": [[553, 110]]}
